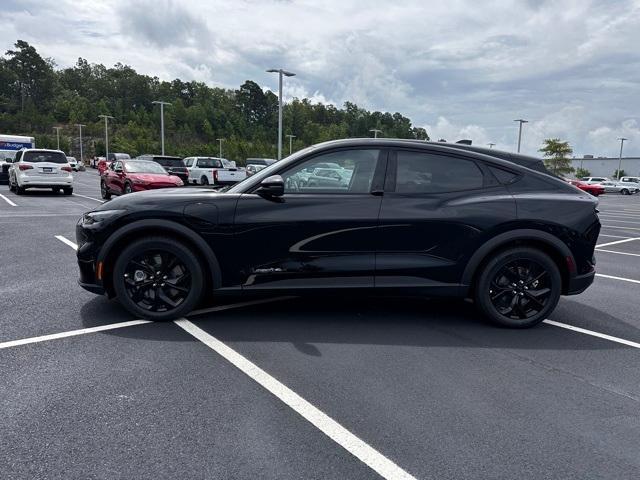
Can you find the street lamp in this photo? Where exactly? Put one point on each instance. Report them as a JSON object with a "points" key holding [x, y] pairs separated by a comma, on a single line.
{"points": [[622, 140], [57, 129], [106, 135], [491, 145], [291, 137], [520, 121], [79, 125], [220, 143], [280, 73], [162, 104], [375, 132]]}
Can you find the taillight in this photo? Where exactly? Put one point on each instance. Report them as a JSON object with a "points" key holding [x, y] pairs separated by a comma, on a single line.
{"points": [[66, 169], [215, 175], [24, 166]]}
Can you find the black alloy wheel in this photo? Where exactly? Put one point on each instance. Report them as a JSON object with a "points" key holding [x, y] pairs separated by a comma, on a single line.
{"points": [[519, 287], [158, 278], [104, 191], [624, 191]]}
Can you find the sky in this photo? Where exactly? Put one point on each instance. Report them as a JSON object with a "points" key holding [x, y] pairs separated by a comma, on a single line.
{"points": [[461, 69]]}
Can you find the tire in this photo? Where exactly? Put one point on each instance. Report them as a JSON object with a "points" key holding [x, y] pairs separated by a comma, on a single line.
{"points": [[504, 289], [104, 191], [140, 302], [56, 189], [68, 190], [20, 190], [11, 186], [127, 188], [624, 191], [204, 180]]}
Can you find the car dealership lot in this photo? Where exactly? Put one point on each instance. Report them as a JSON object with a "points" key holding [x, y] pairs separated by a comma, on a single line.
{"points": [[413, 387]]}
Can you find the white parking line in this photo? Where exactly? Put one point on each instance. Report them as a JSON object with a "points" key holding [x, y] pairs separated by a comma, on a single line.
{"points": [[71, 333], [629, 343], [619, 227], [618, 241], [8, 201], [67, 241], [619, 253], [613, 236], [90, 198], [327, 425], [631, 280]]}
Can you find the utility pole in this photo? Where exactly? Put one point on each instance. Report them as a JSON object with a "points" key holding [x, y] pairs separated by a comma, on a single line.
{"points": [[520, 121], [162, 104], [280, 73], [291, 137], [491, 145], [622, 140], [220, 143], [79, 125], [106, 135], [57, 129], [375, 132]]}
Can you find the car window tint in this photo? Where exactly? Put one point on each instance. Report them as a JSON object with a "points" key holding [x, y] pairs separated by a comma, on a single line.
{"points": [[209, 163], [503, 176], [419, 172], [352, 173], [41, 157]]}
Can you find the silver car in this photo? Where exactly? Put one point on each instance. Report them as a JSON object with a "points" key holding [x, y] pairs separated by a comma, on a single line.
{"points": [[623, 188]]}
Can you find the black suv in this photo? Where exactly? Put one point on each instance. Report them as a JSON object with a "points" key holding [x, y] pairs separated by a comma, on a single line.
{"points": [[173, 165], [407, 217]]}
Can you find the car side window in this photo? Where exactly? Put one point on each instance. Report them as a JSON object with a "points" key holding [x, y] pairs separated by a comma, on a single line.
{"points": [[188, 162], [18, 156], [422, 172], [353, 173]]}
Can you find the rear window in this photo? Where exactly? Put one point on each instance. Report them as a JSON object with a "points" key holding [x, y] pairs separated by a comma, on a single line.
{"points": [[169, 162], [42, 157], [209, 163]]}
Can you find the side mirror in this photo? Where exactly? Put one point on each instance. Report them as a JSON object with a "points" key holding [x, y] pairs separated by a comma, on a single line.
{"points": [[272, 186]]}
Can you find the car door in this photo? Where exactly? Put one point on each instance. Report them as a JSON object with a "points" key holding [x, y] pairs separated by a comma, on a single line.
{"points": [[313, 237], [116, 177], [437, 209]]}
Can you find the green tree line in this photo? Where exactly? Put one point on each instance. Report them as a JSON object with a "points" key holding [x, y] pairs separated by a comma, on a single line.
{"points": [[35, 96]]}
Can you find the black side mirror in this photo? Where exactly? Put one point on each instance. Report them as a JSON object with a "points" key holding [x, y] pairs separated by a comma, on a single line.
{"points": [[272, 186]]}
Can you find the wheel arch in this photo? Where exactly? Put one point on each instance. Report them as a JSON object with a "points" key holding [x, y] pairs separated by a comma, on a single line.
{"points": [[128, 233], [547, 243]]}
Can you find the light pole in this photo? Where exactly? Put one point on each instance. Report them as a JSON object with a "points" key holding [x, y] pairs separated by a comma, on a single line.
{"points": [[375, 132], [291, 137], [79, 125], [280, 73], [57, 129], [162, 104], [622, 139], [106, 135], [520, 121], [220, 144], [491, 145]]}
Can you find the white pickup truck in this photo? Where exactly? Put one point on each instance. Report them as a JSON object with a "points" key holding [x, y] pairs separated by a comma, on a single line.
{"points": [[213, 171]]}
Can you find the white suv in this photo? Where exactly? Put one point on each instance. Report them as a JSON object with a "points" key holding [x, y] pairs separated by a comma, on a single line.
{"points": [[39, 168]]}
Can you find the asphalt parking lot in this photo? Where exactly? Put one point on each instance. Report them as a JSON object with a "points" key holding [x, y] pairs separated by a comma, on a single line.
{"points": [[309, 388]]}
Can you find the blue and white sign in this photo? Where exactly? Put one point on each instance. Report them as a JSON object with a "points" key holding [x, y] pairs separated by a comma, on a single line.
{"points": [[15, 145]]}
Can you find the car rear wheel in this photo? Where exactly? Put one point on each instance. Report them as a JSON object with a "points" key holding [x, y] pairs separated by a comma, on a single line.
{"points": [[104, 191], [518, 288], [204, 180], [68, 190], [624, 191], [158, 278], [127, 188]]}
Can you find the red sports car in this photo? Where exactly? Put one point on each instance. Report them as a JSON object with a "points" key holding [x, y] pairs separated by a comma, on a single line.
{"points": [[594, 189], [127, 176]]}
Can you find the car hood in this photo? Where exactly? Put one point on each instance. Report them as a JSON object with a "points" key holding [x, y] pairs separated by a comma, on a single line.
{"points": [[152, 177], [165, 199]]}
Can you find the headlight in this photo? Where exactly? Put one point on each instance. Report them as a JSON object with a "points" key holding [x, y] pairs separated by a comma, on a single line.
{"points": [[100, 216]]}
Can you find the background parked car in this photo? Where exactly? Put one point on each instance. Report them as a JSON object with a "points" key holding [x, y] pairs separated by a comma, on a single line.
{"points": [[252, 169], [621, 188], [213, 171], [173, 165], [40, 168], [260, 161], [102, 164], [127, 176], [118, 156], [633, 186], [73, 163], [630, 179], [595, 189], [593, 180]]}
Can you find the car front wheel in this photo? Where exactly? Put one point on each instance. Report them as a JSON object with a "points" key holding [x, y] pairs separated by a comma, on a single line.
{"points": [[158, 278], [104, 191], [518, 288]]}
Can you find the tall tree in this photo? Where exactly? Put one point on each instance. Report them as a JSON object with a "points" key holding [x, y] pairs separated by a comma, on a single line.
{"points": [[557, 156]]}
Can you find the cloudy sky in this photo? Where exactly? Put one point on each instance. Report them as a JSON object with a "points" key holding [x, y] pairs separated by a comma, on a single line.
{"points": [[461, 69]]}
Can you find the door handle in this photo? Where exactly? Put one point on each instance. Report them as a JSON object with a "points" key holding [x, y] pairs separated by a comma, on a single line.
{"points": [[377, 193]]}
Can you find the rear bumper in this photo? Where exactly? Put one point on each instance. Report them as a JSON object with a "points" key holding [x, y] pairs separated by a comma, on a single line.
{"points": [[43, 182], [580, 283]]}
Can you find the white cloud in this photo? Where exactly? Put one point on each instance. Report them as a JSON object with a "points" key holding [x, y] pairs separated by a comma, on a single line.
{"points": [[462, 67]]}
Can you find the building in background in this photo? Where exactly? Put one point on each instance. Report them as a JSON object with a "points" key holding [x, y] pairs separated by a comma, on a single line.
{"points": [[606, 166]]}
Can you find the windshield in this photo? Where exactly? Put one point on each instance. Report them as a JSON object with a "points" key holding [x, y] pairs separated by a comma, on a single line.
{"points": [[41, 157], [144, 167], [169, 162]]}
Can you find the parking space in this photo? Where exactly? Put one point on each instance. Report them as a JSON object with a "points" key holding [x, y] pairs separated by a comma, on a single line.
{"points": [[309, 387]]}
